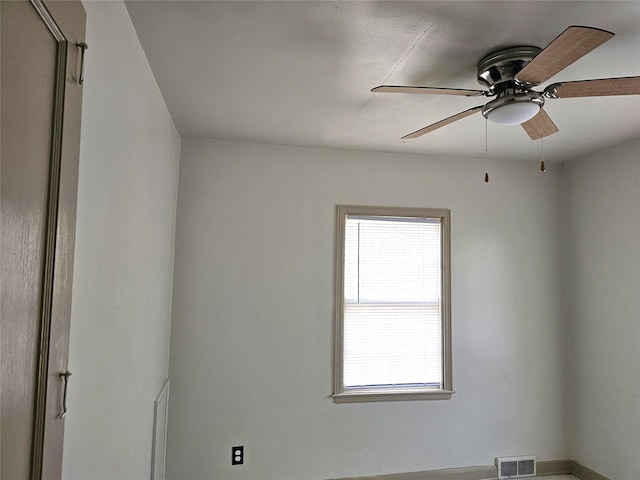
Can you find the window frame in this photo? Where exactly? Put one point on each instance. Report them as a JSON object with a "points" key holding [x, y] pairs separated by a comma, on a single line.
{"points": [[342, 395]]}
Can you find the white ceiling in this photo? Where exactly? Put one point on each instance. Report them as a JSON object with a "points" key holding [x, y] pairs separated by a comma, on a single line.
{"points": [[300, 72]]}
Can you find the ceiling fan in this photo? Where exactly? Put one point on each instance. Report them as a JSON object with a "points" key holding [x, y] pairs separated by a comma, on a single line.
{"points": [[511, 74]]}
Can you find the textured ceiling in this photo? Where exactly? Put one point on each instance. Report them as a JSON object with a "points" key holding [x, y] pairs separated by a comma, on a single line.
{"points": [[300, 72]]}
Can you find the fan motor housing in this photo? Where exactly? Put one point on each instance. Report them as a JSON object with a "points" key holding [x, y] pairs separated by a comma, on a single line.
{"points": [[500, 68]]}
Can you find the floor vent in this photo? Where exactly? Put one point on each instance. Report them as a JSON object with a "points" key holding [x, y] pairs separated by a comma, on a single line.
{"points": [[516, 467]]}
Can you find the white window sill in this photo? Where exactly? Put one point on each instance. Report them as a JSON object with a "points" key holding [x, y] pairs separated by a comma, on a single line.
{"points": [[386, 395]]}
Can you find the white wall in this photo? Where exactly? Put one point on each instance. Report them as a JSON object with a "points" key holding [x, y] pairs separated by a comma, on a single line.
{"points": [[252, 330], [120, 324], [603, 276]]}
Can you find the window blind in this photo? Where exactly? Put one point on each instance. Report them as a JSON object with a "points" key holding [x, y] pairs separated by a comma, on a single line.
{"points": [[392, 302]]}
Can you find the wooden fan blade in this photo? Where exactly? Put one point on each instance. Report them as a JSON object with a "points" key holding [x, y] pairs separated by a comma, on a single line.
{"points": [[429, 90], [572, 44], [540, 126], [442, 123], [596, 88]]}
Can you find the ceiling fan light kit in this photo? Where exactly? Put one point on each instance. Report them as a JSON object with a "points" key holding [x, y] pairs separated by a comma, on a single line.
{"points": [[511, 74], [513, 109]]}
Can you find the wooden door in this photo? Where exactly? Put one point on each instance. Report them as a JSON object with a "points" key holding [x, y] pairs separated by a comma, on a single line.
{"points": [[41, 62]]}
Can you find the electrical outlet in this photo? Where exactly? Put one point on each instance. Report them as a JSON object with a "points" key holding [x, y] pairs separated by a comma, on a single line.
{"points": [[237, 455]]}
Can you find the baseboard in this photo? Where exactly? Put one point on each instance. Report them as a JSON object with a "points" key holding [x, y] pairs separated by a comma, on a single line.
{"points": [[585, 473], [554, 467], [488, 472], [467, 473]]}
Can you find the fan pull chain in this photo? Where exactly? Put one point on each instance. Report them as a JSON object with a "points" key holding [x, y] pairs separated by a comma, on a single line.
{"points": [[542, 167], [486, 149]]}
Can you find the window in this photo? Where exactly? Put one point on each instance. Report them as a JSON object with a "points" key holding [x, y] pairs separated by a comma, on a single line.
{"points": [[393, 328]]}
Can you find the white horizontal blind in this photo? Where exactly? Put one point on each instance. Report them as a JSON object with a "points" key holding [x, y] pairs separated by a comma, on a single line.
{"points": [[392, 302]]}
